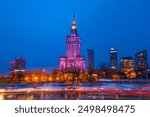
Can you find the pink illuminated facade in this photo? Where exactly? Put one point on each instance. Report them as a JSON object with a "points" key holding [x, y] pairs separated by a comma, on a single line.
{"points": [[73, 59]]}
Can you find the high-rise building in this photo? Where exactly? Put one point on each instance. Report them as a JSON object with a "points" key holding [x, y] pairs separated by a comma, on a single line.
{"points": [[12, 67], [20, 64], [73, 58], [141, 63], [127, 65], [113, 59], [90, 59], [17, 66]]}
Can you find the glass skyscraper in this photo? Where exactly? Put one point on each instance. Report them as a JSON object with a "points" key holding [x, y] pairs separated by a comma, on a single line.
{"points": [[113, 59], [90, 59], [141, 64]]}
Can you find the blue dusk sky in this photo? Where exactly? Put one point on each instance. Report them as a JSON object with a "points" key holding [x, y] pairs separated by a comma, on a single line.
{"points": [[37, 29]]}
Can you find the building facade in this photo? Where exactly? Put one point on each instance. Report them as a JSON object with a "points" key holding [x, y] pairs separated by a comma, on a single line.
{"points": [[73, 58], [20, 64], [127, 67], [113, 59], [141, 64], [17, 66], [12, 67], [90, 54]]}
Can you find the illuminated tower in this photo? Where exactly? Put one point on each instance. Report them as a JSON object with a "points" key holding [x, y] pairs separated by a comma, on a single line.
{"points": [[113, 59], [127, 65], [73, 42], [141, 64], [73, 58]]}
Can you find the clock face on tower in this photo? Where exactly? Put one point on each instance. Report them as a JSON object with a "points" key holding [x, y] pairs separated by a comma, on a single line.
{"points": [[73, 27]]}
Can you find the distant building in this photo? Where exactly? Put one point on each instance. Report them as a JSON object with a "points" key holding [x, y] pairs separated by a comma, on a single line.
{"points": [[20, 64], [73, 58], [113, 59], [90, 59], [38, 76], [17, 66], [141, 64], [127, 67], [12, 67]]}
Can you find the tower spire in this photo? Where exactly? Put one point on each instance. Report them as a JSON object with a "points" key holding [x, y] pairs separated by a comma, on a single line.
{"points": [[74, 28]]}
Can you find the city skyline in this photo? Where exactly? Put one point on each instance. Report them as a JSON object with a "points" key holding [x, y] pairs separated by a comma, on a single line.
{"points": [[36, 38]]}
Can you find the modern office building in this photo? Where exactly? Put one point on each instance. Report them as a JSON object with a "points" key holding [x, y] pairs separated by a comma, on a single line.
{"points": [[73, 58], [141, 64], [127, 65], [17, 66], [113, 59], [90, 54], [20, 64], [12, 67]]}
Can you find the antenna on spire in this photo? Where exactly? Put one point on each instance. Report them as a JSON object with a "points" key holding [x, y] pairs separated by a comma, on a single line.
{"points": [[73, 28]]}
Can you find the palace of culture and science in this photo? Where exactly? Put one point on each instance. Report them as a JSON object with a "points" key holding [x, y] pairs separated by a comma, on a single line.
{"points": [[73, 58]]}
